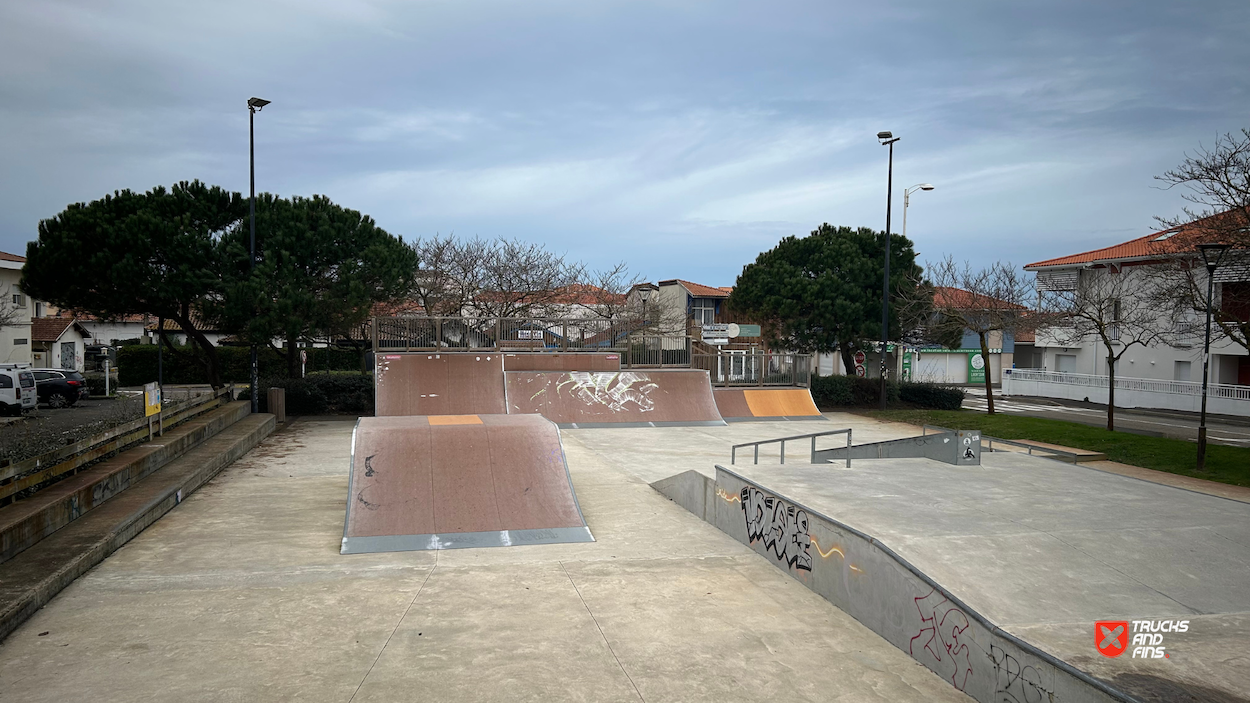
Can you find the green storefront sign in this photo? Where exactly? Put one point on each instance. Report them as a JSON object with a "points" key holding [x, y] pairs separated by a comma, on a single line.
{"points": [[976, 368]]}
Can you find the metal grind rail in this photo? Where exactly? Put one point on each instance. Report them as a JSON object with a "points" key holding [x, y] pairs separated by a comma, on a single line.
{"points": [[733, 452]]}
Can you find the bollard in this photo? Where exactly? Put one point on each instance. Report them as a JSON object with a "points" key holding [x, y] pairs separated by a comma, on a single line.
{"points": [[277, 403]]}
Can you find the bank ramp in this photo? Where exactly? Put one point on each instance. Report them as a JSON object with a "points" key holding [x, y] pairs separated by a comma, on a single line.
{"points": [[766, 404], [581, 399], [456, 481]]}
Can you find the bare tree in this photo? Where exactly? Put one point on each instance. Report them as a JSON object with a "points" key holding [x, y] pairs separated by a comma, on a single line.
{"points": [[521, 279], [10, 314], [450, 273], [1217, 181], [1118, 307], [980, 301]]}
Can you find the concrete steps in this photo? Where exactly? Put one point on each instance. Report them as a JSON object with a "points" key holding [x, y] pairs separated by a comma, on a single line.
{"points": [[25, 522], [32, 577]]}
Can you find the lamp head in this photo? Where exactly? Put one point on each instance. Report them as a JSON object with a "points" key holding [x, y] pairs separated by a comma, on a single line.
{"points": [[644, 292], [926, 186], [886, 138], [257, 103], [1212, 255]]}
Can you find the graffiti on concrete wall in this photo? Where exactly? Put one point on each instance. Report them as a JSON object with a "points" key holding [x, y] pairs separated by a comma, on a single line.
{"points": [[612, 390], [782, 528], [942, 635], [1015, 683]]}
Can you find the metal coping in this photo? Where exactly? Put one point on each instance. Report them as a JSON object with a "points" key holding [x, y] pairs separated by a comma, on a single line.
{"points": [[603, 425], [974, 614], [462, 540], [465, 540]]}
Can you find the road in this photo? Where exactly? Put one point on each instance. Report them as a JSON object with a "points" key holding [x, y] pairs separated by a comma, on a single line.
{"points": [[1178, 426]]}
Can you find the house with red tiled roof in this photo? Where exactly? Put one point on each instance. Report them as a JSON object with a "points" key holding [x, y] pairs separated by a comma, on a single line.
{"points": [[1179, 360], [58, 343]]}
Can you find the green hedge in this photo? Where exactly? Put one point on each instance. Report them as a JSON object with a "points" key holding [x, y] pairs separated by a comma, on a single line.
{"points": [[850, 391], [136, 364], [856, 392], [932, 395], [325, 393]]}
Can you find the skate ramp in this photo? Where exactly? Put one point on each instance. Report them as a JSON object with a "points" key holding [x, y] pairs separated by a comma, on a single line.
{"points": [[439, 384], [562, 361], [581, 399], [761, 404], [456, 481]]}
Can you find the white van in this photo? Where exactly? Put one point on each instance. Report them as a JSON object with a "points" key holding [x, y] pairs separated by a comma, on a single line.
{"points": [[17, 389]]}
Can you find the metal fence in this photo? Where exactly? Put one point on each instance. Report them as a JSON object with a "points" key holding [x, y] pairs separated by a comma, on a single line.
{"points": [[756, 368], [637, 345], [1214, 390]]}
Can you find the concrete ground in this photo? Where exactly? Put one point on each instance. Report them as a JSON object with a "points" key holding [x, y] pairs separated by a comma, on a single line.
{"points": [[1234, 432], [1044, 549], [240, 594]]}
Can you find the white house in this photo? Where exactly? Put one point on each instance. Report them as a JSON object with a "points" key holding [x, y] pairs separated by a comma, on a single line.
{"points": [[16, 311], [58, 343]]}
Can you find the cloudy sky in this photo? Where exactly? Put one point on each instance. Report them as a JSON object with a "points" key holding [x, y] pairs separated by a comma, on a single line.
{"points": [[682, 137]]}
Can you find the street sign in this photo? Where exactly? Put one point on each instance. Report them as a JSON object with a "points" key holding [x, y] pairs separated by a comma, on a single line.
{"points": [[976, 368], [716, 333], [860, 370], [859, 358], [733, 330]]}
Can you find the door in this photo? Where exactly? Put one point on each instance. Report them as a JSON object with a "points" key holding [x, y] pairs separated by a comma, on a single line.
{"points": [[67, 356], [1065, 363]]}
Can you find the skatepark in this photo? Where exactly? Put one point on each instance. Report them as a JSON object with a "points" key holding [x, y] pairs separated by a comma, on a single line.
{"points": [[555, 527]]}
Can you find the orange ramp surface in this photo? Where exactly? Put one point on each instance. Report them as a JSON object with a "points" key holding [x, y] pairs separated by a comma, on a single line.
{"points": [[622, 398], [745, 404], [439, 384], [450, 482]]}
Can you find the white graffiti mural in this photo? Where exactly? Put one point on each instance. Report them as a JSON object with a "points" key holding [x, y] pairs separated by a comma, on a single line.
{"points": [[615, 391], [783, 528]]}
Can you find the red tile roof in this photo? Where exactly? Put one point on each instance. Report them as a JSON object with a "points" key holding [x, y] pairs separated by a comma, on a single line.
{"points": [[1158, 245], [699, 290], [50, 329], [961, 299], [6, 256]]}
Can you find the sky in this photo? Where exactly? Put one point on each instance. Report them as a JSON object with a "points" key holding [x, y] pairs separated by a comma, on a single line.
{"points": [[681, 137]]}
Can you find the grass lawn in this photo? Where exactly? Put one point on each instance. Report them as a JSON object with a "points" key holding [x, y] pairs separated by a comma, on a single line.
{"points": [[1224, 464]]}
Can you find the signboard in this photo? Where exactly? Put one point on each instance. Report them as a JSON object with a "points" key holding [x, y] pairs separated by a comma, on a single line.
{"points": [[860, 370], [748, 331], [716, 333], [859, 358], [976, 368], [527, 334], [151, 399], [906, 373]]}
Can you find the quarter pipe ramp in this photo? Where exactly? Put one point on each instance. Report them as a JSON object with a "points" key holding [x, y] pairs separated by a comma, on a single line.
{"points": [[439, 384], [453, 481], [747, 404], [650, 398]]}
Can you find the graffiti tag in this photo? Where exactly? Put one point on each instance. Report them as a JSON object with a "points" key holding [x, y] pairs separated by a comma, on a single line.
{"points": [[613, 390], [943, 627], [783, 528], [1015, 683]]}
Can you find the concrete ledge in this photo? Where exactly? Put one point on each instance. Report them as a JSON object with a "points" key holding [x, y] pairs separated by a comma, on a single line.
{"points": [[32, 578], [25, 522], [866, 579]]}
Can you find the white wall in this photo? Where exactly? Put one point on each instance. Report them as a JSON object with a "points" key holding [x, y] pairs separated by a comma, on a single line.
{"points": [[10, 353]]}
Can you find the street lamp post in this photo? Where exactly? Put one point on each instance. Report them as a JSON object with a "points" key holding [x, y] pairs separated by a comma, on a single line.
{"points": [[254, 105], [886, 139], [1212, 256]]}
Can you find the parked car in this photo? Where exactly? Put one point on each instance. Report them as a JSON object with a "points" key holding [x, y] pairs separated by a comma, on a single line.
{"points": [[58, 388], [17, 389]]}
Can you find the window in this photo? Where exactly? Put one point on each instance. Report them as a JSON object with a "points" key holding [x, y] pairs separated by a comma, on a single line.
{"points": [[6, 381], [38, 309], [20, 342], [19, 300], [1181, 371], [703, 310], [1065, 363]]}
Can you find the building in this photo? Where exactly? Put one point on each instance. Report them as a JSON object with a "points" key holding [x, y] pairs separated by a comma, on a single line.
{"points": [[1179, 358], [58, 343], [16, 312]]}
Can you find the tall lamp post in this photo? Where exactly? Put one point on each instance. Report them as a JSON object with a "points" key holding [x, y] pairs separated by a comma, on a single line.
{"points": [[254, 105], [1212, 257], [886, 139]]}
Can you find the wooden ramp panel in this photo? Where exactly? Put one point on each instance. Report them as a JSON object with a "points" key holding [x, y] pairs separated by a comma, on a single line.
{"points": [[456, 481], [562, 361], [423, 383], [615, 399], [747, 404]]}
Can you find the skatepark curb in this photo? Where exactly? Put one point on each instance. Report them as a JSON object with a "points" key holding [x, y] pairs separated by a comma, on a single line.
{"points": [[34, 577], [882, 590]]}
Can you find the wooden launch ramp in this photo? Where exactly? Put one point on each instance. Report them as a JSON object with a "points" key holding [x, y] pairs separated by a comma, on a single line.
{"points": [[761, 404], [454, 481]]}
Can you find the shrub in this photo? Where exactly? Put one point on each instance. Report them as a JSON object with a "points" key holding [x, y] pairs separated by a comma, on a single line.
{"points": [[325, 393], [136, 364], [932, 395], [95, 383], [850, 391]]}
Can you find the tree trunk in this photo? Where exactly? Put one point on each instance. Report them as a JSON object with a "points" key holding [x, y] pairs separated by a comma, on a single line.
{"points": [[1110, 391], [848, 358], [211, 367], [985, 356]]}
